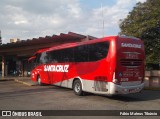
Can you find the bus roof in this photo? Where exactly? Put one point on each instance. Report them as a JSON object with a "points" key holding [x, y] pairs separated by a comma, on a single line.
{"points": [[69, 45], [31, 58], [40, 51]]}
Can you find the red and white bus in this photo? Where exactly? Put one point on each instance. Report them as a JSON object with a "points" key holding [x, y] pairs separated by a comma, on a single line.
{"points": [[109, 65]]}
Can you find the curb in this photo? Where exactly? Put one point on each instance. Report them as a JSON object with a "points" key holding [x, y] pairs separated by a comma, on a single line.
{"points": [[25, 83], [1, 80], [34, 84], [152, 88]]}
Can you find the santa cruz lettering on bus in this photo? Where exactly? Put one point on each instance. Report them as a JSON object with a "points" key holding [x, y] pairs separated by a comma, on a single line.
{"points": [[130, 45], [56, 68]]}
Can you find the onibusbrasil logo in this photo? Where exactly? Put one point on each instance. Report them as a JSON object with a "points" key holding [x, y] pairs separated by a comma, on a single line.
{"points": [[21, 113]]}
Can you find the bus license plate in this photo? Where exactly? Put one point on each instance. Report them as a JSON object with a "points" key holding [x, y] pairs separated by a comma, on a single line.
{"points": [[132, 90]]}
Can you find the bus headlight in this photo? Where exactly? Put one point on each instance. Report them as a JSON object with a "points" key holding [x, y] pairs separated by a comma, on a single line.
{"points": [[32, 74]]}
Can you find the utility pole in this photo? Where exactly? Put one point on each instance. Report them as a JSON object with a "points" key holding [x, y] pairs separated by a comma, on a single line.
{"points": [[102, 20], [0, 38]]}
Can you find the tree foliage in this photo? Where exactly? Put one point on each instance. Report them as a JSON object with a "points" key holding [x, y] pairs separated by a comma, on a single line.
{"points": [[144, 22]]}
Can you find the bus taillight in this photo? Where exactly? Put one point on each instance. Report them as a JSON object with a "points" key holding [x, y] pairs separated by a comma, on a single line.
{"points": [[116, 81]]}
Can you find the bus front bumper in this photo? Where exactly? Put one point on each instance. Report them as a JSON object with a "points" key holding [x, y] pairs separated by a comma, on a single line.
{"points": [[118, 89]]}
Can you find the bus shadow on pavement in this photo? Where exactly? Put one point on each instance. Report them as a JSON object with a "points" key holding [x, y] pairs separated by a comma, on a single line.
{"points": [[142, 96], [145, 95]]}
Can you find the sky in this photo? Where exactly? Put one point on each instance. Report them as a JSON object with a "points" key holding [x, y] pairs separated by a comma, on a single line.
{"points": [[27, 19]]}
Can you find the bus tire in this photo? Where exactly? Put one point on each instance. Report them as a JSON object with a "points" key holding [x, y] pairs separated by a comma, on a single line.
{"points": [[77, 87], [39, 81]]}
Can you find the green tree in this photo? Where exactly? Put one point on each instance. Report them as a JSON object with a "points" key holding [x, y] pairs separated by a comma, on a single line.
{"points": [[144, 22]]}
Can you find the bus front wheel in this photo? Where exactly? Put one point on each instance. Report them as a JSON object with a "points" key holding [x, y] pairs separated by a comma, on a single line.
{"points": [[77, 87], [39, 81]]}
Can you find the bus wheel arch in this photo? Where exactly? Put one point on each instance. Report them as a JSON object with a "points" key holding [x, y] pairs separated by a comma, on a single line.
{"points": [[77, 86]]}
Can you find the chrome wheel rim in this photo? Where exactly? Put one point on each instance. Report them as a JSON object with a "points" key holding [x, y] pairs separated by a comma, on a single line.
{"points": [[77, 87], [39, 80]]}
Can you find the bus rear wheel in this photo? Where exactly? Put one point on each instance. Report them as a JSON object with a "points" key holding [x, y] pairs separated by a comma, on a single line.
{"points": [[77, 87]]}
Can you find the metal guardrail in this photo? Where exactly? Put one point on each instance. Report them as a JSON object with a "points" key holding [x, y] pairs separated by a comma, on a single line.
{"points": [[152, 79]]}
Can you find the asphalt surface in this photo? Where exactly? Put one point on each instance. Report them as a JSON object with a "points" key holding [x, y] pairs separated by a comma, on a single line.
{"points": [[16, 96]]}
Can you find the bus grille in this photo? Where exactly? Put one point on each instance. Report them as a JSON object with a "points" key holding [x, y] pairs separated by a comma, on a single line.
{"points": [[131, 62]]}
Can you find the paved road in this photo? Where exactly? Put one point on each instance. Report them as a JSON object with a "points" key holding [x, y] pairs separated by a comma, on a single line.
{"points": [[16, 96]]}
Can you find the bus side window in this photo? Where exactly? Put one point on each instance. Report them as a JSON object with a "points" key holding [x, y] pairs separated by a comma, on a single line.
{"points": [[98, 51], [67, 55], [43, 58], [49, 56], [60, 56], [81, 53], [54, 56]]}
